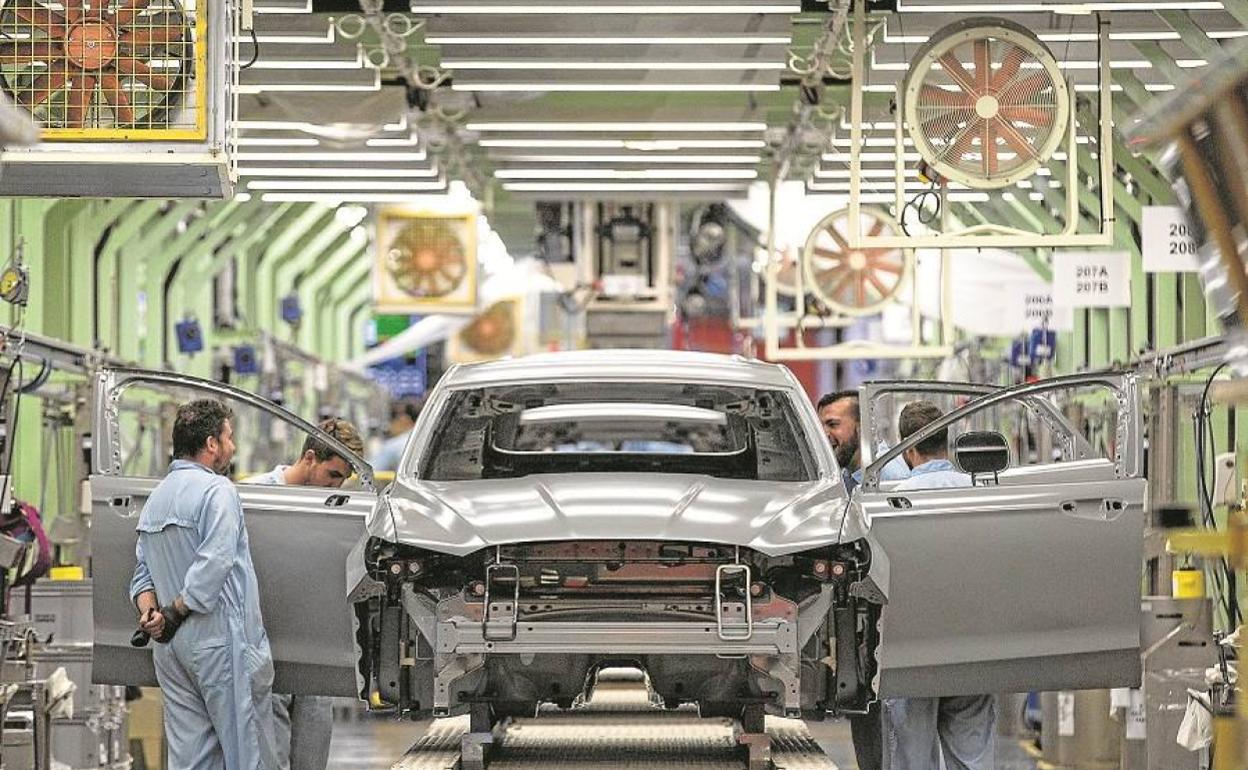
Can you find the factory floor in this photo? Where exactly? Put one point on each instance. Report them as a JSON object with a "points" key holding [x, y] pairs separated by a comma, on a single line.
{"points": [[375, 742]]}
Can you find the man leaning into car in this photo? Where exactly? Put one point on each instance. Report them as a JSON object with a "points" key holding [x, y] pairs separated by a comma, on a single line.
{"points": [[918, 731], [305, 723]]}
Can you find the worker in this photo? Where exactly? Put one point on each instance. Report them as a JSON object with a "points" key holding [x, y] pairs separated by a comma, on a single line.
{"points": [[195, 589], [304, 724], [839, 414], [918, 731], [403, 416]]}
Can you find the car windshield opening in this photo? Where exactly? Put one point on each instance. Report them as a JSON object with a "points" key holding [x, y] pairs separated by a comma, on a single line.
{"points": [[715, 430]]}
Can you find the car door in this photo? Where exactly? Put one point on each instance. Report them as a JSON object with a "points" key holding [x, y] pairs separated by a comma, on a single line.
{"points": [[300, 537], [1027, 581]]}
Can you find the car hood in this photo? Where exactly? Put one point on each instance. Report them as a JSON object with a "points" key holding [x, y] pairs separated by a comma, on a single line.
{"points": [[460, 517]]}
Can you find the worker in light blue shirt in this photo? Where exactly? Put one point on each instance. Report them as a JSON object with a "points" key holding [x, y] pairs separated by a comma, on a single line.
{"points": [[304, 724], [840, 416], [403, 416], [195, 589], [918, 731]]}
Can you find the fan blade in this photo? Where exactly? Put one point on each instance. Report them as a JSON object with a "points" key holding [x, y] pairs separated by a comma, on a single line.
{"points": [[961, 143], [25, 52], [931, 126], [860, 290], [983, 66], [835, 256], [44, 18], [877, 227], [1014, 139], [844, 279], [110, 85], [1024, 88], [957, 73], [1011, 62], [140, 71], [79, 100], [73, 11], [144, 38], [878, 284], [44, 86], [1032, 116], [887, 267], [129, 10], [836, 236], [988, 148], [933, 96]]}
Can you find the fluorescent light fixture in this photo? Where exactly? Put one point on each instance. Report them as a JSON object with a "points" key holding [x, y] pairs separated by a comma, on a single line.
{"points": [[638, 126], [332, 157], [615, 173], [485, 64], [348, 185], [242, 197], [595, 40], [335, 173], [696, 159], [649, 187], [327, 37], [335, 198], [1087, 37], [869, 157], [258, 88], [618, 87], [642, 145], [273, 141], [320, 64], [1072, 9], [397, 141], [843, 173], [583, 8]]}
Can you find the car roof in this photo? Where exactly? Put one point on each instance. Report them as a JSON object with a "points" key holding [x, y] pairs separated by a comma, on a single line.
{"points": [[622, 364]]}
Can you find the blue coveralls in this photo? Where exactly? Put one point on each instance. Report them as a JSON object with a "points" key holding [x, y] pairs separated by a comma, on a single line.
{"points": [[917, 730], [303, 725], [216, 674]]}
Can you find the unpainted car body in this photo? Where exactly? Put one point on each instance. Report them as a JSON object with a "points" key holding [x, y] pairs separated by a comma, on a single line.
{"points": [[683, 513]]}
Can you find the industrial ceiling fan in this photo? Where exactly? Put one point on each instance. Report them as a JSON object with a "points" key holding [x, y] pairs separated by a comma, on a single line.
{"points": [[104, 64], [427, 259], [985, 103], [853, 282]]}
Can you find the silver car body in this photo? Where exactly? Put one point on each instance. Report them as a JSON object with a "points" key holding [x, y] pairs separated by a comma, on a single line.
{"points": [[1027, 584]]}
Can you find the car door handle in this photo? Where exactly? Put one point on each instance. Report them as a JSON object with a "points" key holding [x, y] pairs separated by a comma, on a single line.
{"points": [[336, 501], [1106, 508], [901, 503], [122, 501]]}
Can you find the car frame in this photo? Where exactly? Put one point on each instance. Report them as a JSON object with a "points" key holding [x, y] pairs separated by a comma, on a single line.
{"points": [[876, 567]]}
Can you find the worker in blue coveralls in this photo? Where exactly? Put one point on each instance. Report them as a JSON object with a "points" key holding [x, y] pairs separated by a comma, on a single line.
{"points": [[917, 731], [196, 593], [304, 724], [840, 416]]}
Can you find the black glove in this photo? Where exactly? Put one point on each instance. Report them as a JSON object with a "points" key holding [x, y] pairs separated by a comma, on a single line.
{"points": [[173, 621]]}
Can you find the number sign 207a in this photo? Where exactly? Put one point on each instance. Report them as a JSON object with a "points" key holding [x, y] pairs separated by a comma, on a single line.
{"points": [[1169, 245]]}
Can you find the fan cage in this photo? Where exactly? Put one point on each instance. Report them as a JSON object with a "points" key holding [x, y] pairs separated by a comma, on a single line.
{"points": [[101, 73], [863, 281], [391, 296], [986, 129]]}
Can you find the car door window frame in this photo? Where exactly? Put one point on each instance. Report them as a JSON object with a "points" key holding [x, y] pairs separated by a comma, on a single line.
{"points": [[1128, 460], [112, 383]]}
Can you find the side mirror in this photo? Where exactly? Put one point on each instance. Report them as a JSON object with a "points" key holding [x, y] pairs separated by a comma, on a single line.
{"points": [[980, 452]]}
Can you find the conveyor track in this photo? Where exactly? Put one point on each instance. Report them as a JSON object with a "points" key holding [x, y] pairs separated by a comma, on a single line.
{"points": [[618, 728]]}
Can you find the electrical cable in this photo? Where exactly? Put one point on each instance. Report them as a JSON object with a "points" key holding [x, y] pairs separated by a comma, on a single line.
{"points": [[255, 50], [919, 202], [1225, 582]]}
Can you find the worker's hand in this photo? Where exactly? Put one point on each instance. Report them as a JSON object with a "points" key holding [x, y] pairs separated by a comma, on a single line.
{"points": [[153, 622], [173, 618]]}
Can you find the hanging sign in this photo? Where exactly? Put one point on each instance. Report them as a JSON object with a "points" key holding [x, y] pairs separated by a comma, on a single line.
{"points": [[1091, 279], [1167, 241], [1032, 306]]}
